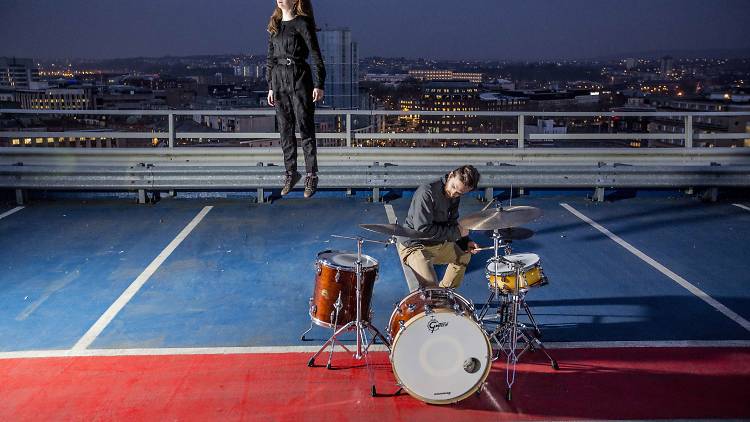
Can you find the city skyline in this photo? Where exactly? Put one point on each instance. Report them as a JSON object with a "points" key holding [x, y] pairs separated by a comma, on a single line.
{"points": [[491, 31]]}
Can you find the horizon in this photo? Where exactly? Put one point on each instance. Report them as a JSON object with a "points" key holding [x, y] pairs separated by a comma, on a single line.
{"points": [[675, 54]]}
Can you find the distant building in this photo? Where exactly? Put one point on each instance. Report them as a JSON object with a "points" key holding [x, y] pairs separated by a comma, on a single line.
{"points": [[449, 96], [544, 126], [666, 66], [56, 98], [387, 77], [341, 58], [8, 98], [17, 73], [445, 75], [703, 124]]}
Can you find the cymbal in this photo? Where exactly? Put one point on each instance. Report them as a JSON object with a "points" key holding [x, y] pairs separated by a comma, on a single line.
{"points": [[500, 218], [395, 230], [515, 233]]}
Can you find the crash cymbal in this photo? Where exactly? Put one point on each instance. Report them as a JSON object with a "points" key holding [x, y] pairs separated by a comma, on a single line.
{"points": [[395, 230], [500, 218]]}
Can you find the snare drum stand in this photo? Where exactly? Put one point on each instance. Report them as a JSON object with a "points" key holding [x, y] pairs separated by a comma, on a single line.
{"points": [[510, 331], [359, 325]]}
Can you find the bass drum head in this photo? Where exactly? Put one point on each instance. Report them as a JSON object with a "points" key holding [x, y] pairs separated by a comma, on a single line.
{"points": [[441, 358]]}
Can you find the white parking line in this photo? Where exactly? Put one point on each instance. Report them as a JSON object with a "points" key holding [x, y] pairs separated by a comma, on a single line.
{"points": [[742, 206], [168, 351], [13, 211], [664, 270], [128, 294]]}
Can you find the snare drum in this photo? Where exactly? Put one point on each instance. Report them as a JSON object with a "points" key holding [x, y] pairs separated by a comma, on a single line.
{"points": [[503, 275], [439, 353], [336, 279]]}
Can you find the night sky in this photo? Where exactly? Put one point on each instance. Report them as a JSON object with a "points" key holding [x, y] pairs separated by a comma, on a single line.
{"points": [[436, 29]]}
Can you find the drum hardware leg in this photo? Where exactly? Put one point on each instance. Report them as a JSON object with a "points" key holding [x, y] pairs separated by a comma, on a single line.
{"points": [[398, 392], [312, 308], [486, 306], [366, 354], [534, 340], [377, 334], [540, 346], [509, 395], [526, 308], [335, 318], [333, 339], [302, 337]]}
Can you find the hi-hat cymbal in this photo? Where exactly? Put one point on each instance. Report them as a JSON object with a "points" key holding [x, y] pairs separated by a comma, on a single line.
{"points": [[500, 218], [395, 230], [515, 233]]}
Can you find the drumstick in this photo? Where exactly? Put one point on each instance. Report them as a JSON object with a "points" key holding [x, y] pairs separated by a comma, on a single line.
{"points": [[486, 248]]}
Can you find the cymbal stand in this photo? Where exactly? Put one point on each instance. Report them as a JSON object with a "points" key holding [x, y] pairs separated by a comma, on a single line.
{"points": [[360, 325]]}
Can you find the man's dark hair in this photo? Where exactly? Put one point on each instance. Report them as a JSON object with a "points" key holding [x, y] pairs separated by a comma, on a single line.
{"points": [[468, 175]]}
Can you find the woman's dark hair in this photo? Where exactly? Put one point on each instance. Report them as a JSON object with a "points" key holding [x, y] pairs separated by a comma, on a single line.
{"points": [[300, 8], [468, 175]]}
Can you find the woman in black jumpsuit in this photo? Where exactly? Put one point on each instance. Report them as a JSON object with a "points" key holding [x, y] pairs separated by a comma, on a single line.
{"points": [[294, 87]]}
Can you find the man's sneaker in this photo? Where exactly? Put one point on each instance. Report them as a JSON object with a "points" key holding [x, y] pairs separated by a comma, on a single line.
{"points": [[289, 181], [311, 185]]}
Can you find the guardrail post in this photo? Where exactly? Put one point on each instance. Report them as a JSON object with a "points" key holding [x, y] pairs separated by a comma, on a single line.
{"points": [[521, 131], [711, 194], [489, 193], [598, 195], [261, 196], [171, 130], [20, 196], [348, 130], [141, 196], [689, 131], [375, 194]]}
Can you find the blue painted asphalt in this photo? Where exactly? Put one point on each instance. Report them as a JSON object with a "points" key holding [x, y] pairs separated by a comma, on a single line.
{"points": [[244, 275], [64, 263], [707, 244]]}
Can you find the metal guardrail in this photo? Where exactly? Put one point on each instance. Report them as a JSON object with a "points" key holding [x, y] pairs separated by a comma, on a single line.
{"points": [[349, 134], [190, 168]]}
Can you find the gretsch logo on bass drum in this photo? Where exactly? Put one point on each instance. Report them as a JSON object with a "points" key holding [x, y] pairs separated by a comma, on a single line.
{"points": [[434, 325]]}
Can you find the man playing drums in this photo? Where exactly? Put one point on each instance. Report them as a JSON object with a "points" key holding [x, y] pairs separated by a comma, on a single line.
{"points": [[434, 211]]}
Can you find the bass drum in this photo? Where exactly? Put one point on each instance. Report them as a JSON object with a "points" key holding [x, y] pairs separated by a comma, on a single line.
{"points": [[439, 352]]}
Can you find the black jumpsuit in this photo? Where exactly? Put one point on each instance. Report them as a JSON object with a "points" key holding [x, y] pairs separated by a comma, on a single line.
{"points": [[292, 81]]}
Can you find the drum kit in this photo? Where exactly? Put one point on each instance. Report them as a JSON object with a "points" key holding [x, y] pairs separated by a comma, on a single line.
{"points": [[440, 347]]}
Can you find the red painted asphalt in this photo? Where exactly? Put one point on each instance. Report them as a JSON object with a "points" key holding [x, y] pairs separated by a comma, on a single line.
{"points": [[619, 383]]}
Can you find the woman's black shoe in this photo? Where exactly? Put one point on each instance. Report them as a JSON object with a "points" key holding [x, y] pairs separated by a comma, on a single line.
{"points": [[290, 181], [311, 185]]}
